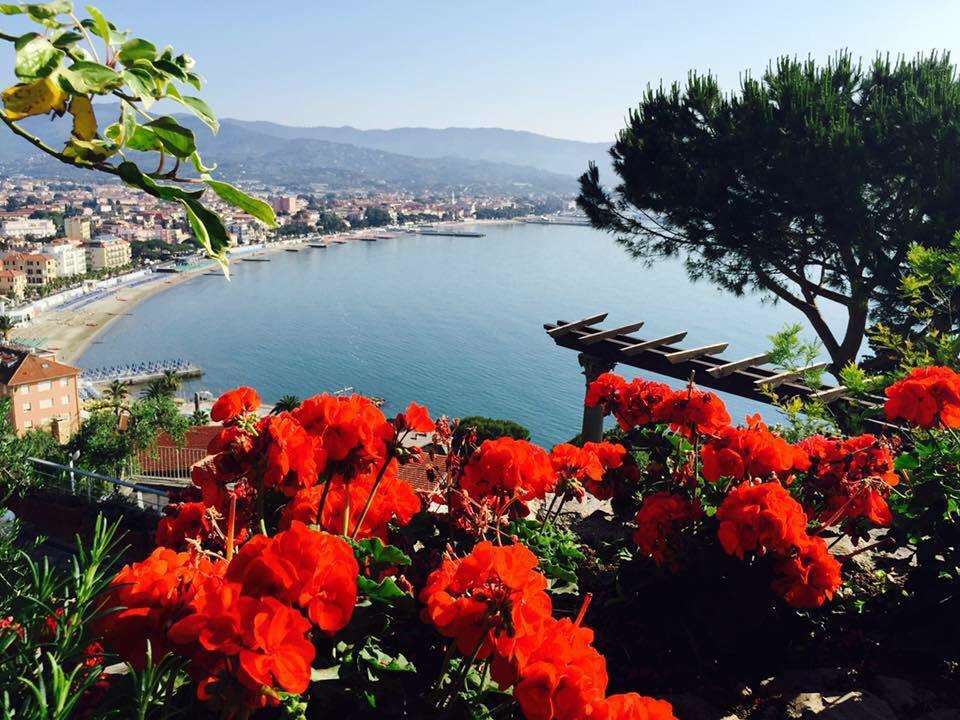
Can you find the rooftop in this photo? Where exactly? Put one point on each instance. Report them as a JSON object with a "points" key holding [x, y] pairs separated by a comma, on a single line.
{"points": [[21, 366]]}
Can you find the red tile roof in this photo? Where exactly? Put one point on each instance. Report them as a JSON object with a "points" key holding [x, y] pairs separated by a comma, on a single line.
{"points": [[20, 367]]}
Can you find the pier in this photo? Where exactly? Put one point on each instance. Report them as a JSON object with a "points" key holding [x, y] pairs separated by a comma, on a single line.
{"points": [[451, 233], [140, 373]]}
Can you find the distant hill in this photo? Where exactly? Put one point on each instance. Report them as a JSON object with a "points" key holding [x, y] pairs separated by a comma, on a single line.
{"points": [[413, 158], [515, 147]]}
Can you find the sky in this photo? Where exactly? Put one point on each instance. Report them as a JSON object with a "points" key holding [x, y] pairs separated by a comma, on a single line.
{"points": [[565, 69]]}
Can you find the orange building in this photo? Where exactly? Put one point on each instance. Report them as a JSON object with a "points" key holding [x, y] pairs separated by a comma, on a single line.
{"points": [[43, 392]]}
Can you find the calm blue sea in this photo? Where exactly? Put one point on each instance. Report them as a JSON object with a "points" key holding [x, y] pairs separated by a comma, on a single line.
{"points": [[455, 323]]}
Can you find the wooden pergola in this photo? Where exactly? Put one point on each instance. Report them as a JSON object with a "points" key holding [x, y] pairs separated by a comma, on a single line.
{"points": [[601, 350]]}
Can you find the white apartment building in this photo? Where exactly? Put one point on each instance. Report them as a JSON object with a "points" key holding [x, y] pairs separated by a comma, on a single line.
{"points": [[106, 252], [77, 228], [21, 227], [71, 260]]}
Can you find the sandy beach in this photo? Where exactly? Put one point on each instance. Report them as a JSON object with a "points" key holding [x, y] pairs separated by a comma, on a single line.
{"points": [[68, 332]]}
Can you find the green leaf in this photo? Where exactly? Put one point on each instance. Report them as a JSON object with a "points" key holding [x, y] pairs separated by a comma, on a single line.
{"points": [[90, 77], [137, 49], [176, 139], [199, 166], [65, 38], [141, 84], [197, 106], [258, 209], [131, 174], [89, 151], [100, 25], [906, 462], [170, 68], [36, 57], [376, 552], [384, 591], [322, 674], [142, 139], [209, 232]]}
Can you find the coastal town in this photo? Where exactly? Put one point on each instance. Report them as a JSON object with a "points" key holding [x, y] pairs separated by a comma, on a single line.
{"points": [[75, 256]]}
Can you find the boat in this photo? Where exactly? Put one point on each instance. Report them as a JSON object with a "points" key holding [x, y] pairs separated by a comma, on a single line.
{"points": [[321, 246], [291, 249], [255, 259]]}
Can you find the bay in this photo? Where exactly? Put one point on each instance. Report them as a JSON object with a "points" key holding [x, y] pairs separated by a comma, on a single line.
{"points": [[451, 322]]}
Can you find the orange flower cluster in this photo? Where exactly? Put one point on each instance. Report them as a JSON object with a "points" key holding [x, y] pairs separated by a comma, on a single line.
{"points": [[764, 518], [927, 397], [394, 501], [751, 452], [244, 624], [579, 470], [151, 596], [506, 469], [492, 604], [641, 402], [853, 475], [345, 444], [760, 518], [660, 516]]}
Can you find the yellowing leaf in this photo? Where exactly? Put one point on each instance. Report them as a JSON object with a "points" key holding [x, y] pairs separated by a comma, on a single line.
{"points": [[36, 98], [84, 121]]}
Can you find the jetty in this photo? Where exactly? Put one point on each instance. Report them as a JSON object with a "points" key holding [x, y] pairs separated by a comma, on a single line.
{"points": [[451, 233], [140, 373]]}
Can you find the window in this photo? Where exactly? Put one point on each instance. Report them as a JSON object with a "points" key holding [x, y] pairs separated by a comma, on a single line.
{"points": [[45, 403], [44, 386], [23, 389], [27, 407], [63, 382], [65, 400], [28, 424]]}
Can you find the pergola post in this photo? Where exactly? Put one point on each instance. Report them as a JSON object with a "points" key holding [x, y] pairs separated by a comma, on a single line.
{"points": [[593, 367]]}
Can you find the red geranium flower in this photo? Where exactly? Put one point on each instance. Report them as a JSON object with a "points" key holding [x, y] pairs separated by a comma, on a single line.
{"points": [[659, 518], [258, 643], [853, 475], [809, 577], [488, 601], [234, 403], [506, 468], [151, 595], [183, 521], [415, 418], [291, 458], [353, 430], [395, 501], [611, 457], [606, 390], [564, 678], [760, 517], [927, 397], [750, 452], [689, 411], [312, 570], [632, 706]]}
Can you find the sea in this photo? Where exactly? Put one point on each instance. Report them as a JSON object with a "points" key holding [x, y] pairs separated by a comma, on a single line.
{"points": [[455, 323]]}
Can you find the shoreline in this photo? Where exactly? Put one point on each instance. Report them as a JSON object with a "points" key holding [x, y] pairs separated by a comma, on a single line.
{"points": [[69, 333]]}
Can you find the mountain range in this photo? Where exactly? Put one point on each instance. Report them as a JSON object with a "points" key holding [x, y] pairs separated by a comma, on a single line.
{"points": [[416, 159]]}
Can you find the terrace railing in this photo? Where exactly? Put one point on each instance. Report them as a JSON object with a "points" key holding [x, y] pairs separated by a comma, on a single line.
{"points": [[96, 488]]}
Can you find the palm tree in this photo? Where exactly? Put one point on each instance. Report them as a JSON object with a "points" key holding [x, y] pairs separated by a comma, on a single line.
{"points": [[156, 390], [286, 404], [117, 393], [171, 380], [6, 325], [200, 417]]}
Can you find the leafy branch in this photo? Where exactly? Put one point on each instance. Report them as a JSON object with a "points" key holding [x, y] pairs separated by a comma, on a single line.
{"points": [[60, 71]]}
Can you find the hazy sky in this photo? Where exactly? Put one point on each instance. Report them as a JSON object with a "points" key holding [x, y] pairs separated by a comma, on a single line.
{"points": [[568, 69]]}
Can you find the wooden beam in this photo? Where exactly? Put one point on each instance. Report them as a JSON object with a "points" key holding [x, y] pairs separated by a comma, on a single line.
{"points": [[783, 377], [648, 344], [564, 328], [731, 367], [612, 333], [683, 355], [829, 395]]}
